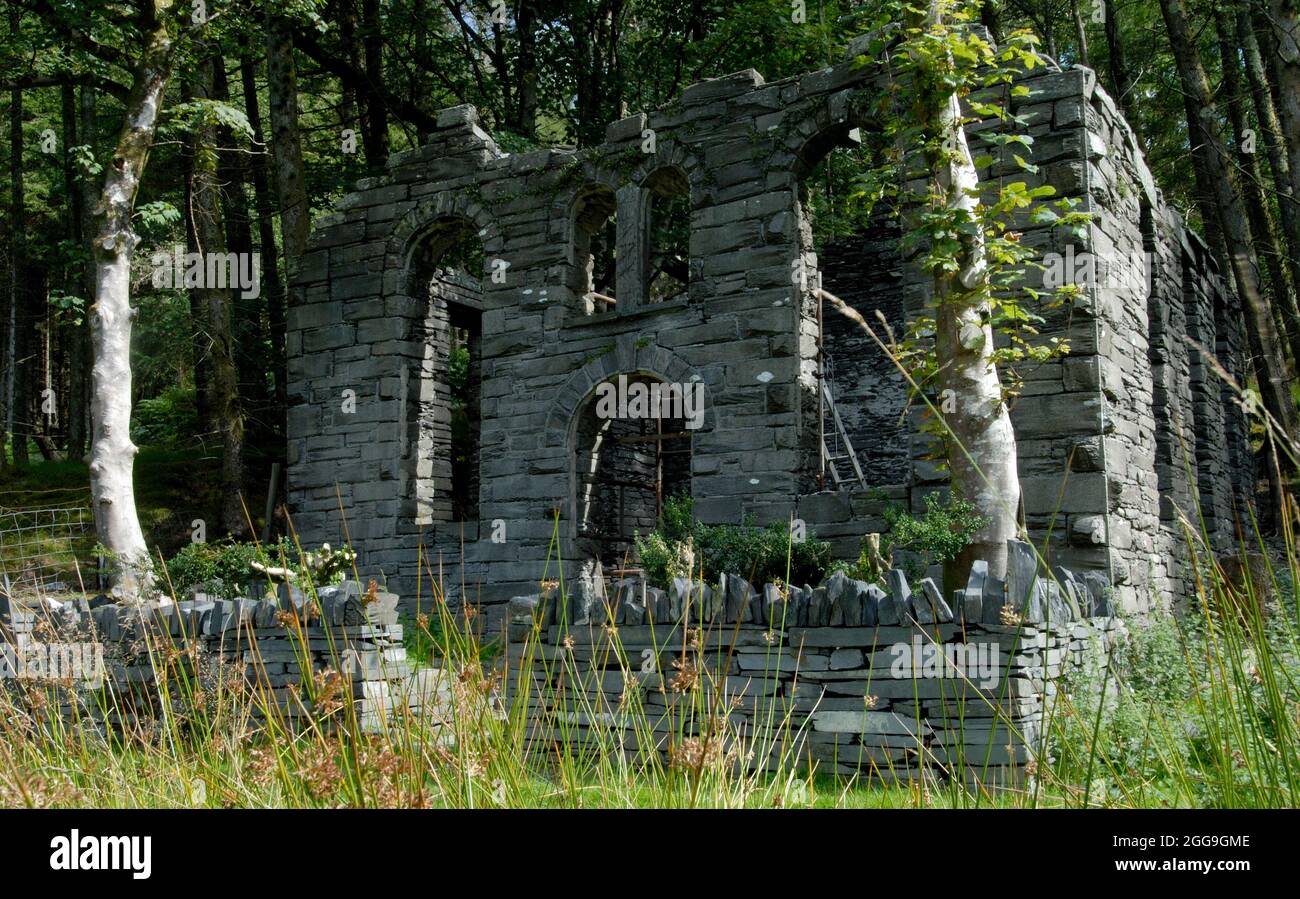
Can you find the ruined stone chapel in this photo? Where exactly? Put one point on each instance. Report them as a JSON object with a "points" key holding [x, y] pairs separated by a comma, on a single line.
{"points": [[453, 318]]}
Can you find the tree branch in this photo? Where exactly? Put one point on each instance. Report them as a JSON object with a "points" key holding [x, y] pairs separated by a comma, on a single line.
{"points": [[106, 85], [305, 40], [76, 37]]}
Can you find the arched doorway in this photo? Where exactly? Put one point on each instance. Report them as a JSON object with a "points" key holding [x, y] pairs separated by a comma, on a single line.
{"points": [[632, 452]]}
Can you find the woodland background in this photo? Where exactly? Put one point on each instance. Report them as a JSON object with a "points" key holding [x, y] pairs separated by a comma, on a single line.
{"points": [[252, 143]]}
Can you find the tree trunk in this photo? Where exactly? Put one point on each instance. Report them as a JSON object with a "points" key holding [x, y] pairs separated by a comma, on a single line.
{"points": [[113, 454], [980, 443], [526, 104], [345, 12], [199, 347], [86, 185], [1285, 18], [42, 376], [248, 337], [227, 414], [375, 120], [1121, 83], [1274, 374], [1080, 32], [1266, 116], [22, 367], [282, 90], [1261, 220], [9, 351], [73, 334], [272, 287], [1205, 190], [6, 368], [8, 347]]}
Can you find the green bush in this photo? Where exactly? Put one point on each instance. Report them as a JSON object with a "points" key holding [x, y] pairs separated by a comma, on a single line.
{"points": [[224, 568], [759, 554], [219, 568], [937, 536], [170, 419]]}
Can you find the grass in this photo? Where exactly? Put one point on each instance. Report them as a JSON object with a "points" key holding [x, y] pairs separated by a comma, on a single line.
{"points": [[173, 486], [1200, 710], [1195, 709]]}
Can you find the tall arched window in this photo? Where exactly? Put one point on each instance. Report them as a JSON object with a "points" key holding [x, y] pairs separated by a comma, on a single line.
{"points": [[595, 244], [449, 268], [668, 235]]}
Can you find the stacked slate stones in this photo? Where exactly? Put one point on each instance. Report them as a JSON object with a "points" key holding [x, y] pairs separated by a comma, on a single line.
{"points": [[275, 644], [852, 676], [16, 623]]}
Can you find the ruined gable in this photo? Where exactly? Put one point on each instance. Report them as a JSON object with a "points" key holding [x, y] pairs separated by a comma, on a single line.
{"points": [[574, 290]]}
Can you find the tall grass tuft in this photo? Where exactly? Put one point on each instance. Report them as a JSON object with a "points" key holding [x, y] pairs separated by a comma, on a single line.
{"points": [[1198, 706]]}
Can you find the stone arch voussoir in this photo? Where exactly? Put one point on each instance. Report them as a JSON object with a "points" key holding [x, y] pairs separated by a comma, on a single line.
{"points": [[415, 225], [627, 359]]}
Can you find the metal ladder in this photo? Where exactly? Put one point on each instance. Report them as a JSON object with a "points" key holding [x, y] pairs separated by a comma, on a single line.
{"points": [[844, 447]]}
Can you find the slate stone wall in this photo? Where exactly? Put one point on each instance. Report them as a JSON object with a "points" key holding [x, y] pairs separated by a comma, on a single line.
{"points": [[1109, 415], [1174, 440], [847, 676], [285, 650]]}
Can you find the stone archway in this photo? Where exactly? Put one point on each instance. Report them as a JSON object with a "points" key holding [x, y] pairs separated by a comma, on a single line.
{"points": [[567, 427], [628, 463], [439, 259], [412, 231]]}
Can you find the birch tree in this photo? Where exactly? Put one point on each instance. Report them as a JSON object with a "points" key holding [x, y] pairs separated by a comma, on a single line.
{"points": [[969, 254], [981, 446], [112, 457]]}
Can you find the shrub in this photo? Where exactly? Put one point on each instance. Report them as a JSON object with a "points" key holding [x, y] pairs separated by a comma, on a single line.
{"points": [[659, 559], [760, 554], [937, 536], [225, 568], [220, 568], [869, 566], [169, 419]]}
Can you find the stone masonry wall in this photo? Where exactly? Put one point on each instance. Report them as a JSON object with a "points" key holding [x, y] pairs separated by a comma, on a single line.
{"points": [[845, 676], [1174, 440], [286, 650], [1108, 416]]}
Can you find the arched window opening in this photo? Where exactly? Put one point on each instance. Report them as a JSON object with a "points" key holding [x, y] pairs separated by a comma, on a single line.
{"points": [[669, 230], [450, 269], [595, 249], [850, 237], [626, 468], [1168, 462]]}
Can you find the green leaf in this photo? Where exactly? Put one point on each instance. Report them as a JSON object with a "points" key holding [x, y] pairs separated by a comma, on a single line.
{"points": [[1025, 164]]}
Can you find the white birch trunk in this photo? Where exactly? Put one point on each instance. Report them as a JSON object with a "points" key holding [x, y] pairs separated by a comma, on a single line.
{"points": [[980, 443], [112, 456]]}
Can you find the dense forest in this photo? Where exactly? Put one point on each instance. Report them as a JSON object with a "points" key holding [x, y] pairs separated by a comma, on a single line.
{"points": [[139, 132]]}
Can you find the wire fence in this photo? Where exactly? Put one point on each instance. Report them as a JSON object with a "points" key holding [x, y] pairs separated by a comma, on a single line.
{"points": [[47, 549]]}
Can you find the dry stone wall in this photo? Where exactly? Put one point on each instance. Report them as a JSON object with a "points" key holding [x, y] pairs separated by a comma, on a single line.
{"points": [[338, 656], [846, 676]]}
